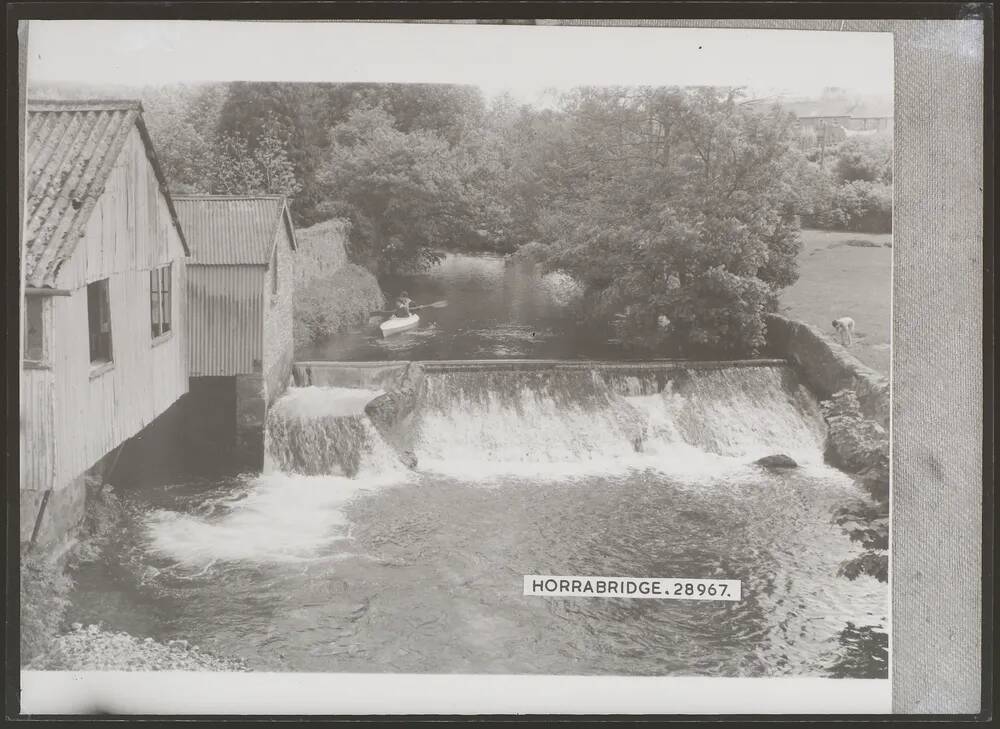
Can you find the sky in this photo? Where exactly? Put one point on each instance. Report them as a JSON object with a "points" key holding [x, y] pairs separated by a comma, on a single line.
{"points": [[523, 60]]}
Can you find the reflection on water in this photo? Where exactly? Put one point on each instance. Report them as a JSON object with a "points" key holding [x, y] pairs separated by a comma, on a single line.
{"points": [[496, 309]]}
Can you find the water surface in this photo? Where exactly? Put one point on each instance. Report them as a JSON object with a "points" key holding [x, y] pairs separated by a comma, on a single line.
{"points": [[306, 569], [496, 309]]}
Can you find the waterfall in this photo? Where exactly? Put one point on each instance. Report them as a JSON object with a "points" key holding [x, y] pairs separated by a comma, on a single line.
{"points": [[610, 416], [478, 422], [324, 431], [729, 411]]}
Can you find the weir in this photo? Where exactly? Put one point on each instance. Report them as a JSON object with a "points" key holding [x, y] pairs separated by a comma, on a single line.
{"points": [[467, 416]]}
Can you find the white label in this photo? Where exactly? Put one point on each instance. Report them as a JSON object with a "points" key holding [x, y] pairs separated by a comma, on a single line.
{"points": [[664, 588]]}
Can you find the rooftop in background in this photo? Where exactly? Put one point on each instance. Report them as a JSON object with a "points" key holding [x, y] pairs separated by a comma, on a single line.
{"points": [[829, 107], [71, 148], [232, 229]]}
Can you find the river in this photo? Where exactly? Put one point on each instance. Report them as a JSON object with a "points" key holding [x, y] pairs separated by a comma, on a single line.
{"points": [[302, 568], [496, 309]]}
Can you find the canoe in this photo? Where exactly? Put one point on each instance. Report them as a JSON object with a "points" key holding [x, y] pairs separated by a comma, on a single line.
{"points": [[395, 324]]}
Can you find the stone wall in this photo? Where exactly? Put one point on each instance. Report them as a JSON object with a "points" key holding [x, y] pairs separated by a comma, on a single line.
{"points": [[369, 375], [278, 318], [251, 414], [322, 250], [828, 367], [58, 516]]}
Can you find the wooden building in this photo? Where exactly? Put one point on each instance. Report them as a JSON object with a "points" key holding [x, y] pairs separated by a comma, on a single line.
{"points": [[105, 351], [239, 297]]}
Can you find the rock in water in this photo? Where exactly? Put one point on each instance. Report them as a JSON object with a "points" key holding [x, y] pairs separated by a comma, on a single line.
{"points": [[409, 459], [779, 460]]}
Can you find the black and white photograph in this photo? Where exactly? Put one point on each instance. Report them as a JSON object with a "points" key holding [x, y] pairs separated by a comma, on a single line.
{"points": [[360, 350]]}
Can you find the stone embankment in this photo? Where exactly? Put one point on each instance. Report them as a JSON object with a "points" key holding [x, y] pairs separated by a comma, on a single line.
{"points": [[827, 367]]}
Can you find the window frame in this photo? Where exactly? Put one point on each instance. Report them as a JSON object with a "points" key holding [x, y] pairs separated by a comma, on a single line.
{"points": [[103, 286], [161, 285], [42, 360]]}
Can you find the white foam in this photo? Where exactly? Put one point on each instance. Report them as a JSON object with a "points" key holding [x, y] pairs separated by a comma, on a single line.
{"points": [[277, 518], [318, 402]]}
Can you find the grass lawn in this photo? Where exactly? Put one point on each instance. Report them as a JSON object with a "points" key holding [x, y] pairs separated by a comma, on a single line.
{"points": [[837, 279]]}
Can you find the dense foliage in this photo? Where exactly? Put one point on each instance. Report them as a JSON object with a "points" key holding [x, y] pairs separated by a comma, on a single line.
{"points": [[852, 185], [678, 214], [330, 304], [405, 193], [675, 209]]}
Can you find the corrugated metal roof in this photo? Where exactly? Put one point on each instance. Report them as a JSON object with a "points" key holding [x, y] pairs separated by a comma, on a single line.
{"points": [[232, 229], [71, 148]]}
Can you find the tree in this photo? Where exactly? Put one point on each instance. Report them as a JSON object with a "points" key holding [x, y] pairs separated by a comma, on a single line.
{"points": [[679, 221], [867, 158], [404, 194], [182, 122], [239, 169]]}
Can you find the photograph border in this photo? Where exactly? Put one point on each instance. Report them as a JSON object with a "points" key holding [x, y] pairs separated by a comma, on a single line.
{"points": [[935, 564]]}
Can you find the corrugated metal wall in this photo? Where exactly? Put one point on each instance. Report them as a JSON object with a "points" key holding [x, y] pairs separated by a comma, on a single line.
{"points": [[129, 232], [225, 319]]}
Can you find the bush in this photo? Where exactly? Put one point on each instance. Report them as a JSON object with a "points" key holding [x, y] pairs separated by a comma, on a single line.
{"points": [[533, 252], [327, 305], [44, 590], [859, 206], [865, 157]]}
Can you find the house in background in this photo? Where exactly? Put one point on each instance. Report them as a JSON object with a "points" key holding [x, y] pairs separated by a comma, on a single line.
{"points": [[873, 114], [239, 302], [858, 114], [105, 350], [835, 115]]}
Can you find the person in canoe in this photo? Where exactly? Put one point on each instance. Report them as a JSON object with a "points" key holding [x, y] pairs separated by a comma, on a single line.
{"points": [[403, 304]]}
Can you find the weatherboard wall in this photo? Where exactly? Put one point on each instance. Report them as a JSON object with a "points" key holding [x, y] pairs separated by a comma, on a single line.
{"points": [[96, 409]]}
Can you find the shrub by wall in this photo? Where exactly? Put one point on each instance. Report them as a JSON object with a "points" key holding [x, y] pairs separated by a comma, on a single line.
{"points": [[331, 304]]}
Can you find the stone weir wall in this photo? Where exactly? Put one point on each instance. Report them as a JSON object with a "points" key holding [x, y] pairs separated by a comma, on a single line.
{"points": [[827, 367]]}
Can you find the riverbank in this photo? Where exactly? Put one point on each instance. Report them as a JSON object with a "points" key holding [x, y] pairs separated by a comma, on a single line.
{"points": [[846, 274], [92, 648]]}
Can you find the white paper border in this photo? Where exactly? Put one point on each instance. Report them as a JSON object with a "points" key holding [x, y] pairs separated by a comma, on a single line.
{"points": [[178, 692]]}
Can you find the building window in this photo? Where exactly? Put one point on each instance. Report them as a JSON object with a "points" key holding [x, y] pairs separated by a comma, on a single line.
{"points": [[99, 318], [160, 287], [34, 330]]}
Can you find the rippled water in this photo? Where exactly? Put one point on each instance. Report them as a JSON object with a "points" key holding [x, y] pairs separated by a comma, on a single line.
{"points": [[421, 571], [496, 309]]}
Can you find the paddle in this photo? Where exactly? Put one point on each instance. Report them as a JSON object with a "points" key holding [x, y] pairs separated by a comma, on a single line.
{"points": [[436, 305]]}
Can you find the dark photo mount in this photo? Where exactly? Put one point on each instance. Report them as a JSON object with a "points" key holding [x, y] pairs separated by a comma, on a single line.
{"points": [[246, 417]]}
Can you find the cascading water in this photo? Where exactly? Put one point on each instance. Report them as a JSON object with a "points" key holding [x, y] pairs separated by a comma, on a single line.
{"points": [[339, 558], [608, 417], [744, 412], [321, 451], [324, 430]]}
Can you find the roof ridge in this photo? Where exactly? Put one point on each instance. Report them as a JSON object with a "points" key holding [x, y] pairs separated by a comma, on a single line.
{"points": [[207, 196], [84, 104]]}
